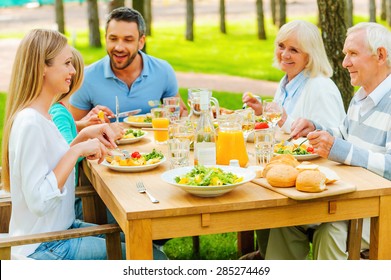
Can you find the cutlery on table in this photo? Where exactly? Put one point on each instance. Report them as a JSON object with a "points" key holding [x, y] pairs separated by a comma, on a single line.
{"points": [[116, 109], [127, 113], [141, 189]]}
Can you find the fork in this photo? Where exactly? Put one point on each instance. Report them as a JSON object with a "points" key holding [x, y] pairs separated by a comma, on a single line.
{"points": [[141, 189]]}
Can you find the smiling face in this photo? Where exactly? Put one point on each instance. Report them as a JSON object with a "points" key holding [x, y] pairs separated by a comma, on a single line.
{"points": [[58, 75], [122, 43], [290, 58], [361, 63]]}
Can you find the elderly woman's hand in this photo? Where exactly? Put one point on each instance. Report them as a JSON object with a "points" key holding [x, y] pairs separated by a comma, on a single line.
{"points": [[250, 100]]}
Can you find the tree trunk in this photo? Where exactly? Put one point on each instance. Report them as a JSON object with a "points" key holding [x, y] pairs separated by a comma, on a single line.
{"points": [[189, 20], [372, 10], [383, 12], [148, 16], [222, 17], [60, 21], [349, 13], [280, 12], [388, 13], [273, 10], [93, 23], [332, 22], [139, 6], [114, 4], [260, 20]]}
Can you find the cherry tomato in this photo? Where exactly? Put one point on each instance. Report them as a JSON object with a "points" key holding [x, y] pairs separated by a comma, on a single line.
{"points": [[310, 150], [261, 125], [136, 155]]}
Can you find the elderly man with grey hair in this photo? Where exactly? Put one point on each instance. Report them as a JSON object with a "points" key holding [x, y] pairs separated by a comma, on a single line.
{"points": [[363, 139]]}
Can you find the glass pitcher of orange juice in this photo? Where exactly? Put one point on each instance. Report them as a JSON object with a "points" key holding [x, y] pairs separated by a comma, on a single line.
{"points": [[230, 140]]}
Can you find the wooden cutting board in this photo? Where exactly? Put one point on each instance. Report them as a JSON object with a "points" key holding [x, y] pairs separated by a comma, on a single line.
{"points": [[338, 187]]}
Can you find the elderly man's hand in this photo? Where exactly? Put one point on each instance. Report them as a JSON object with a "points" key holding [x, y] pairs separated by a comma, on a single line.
{"points": [[301, 127], [321, 141]]}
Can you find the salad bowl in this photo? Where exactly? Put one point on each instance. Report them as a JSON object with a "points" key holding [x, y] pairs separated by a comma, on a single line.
{"points": [[208, 191]]}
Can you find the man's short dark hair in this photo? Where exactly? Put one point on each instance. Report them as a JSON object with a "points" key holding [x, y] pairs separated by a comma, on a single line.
{"points": [[129, 15]]}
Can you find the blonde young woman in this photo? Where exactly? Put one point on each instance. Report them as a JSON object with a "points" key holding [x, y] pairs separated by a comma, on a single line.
{"points": [[37, 162], [306, 90]]}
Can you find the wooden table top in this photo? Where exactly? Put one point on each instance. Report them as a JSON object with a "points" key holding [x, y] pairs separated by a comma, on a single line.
{"points": [[120, 189]]}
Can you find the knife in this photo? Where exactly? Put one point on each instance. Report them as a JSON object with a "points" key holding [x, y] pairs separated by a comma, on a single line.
{"points": [[126, 114], [116, 109]]}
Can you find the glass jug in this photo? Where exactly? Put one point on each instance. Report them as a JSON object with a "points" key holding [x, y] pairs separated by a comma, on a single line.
{"points": [[230, 140], [194, 103]]}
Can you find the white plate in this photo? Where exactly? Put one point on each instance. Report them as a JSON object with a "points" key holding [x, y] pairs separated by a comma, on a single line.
{"points": [[133, 168], [208, 191], [131, 140], [137, 124], [303, 157]]}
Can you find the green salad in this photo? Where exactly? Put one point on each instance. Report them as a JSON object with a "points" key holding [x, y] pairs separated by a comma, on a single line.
{"points": [[133, 133], [208, 176]]}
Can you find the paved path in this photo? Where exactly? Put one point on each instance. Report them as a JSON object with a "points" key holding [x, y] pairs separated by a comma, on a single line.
{"points": [[185, 80]]}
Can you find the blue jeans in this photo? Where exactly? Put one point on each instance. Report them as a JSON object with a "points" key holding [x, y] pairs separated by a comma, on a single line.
{"points": [[83, 248]]}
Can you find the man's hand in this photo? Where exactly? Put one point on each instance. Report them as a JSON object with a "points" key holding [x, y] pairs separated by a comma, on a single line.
{"points": [[321, 141], [301, 127]]}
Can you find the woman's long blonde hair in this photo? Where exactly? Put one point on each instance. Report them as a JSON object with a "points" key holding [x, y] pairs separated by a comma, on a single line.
{"points": [[37, 50], [310, 42]]}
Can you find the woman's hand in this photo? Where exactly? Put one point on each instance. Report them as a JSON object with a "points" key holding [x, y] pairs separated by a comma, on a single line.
{"points": [[118, 130], [103, 132], [93, 117], [92, 149], [250, 100]]}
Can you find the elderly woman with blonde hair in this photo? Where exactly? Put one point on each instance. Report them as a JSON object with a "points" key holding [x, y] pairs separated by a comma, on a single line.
{"points": [[306, 90]]}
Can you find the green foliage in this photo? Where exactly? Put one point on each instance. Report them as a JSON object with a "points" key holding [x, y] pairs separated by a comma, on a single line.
{"points": [[212, 247]]}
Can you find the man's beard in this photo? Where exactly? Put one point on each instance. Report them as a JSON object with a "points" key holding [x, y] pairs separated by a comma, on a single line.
{"points": [[126, 63]]}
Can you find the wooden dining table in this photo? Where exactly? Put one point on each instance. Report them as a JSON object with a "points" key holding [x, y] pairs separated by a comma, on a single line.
{"points": [[247, 207]]}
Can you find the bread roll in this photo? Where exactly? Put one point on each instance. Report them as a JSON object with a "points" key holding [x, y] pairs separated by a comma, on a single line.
{"points": [[307, 166], [285, 158], [311, 181], [282, 176]]}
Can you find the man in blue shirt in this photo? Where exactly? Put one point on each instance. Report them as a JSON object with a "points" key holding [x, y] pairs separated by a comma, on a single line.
{"points": [[140, 81]]}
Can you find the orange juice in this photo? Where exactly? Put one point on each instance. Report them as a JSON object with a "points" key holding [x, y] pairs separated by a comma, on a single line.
{"points": [[160, 136], [230, 145]]}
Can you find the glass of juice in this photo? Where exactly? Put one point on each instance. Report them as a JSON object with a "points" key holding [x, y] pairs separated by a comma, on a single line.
{"points": [[160, 122]]}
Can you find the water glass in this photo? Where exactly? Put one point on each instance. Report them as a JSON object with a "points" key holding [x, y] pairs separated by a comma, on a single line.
{"points": [[160, 121], [264, 145], [272, 112], [182, 130], [178, 152], [172, 105]]}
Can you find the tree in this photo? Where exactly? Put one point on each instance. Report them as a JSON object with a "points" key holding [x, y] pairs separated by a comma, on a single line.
{"points": [[93, 24], [222, 17], [273, 10], [114, 4], [260, 20], [333, 26], [388, 11], [349, 13], [383, 13], [372, 10], [280, 12], [148, 16], [189, 20], [59, 7]]}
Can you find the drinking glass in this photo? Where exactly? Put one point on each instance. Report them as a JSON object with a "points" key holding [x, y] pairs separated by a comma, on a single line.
{"points": [[160, 121], [272, 112], [264, 145], [248, 121], [182, 130], [172, 105], [178, 152]]}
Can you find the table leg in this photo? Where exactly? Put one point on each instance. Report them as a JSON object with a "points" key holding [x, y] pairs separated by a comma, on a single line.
{"points": [[138, 238], [380, 247]]}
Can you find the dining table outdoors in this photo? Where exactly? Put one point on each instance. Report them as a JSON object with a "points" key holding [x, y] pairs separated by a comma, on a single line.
{"points": [[247, 207]]}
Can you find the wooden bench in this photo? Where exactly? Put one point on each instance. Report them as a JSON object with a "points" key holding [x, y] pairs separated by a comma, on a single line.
{"points": [[90, 201]]}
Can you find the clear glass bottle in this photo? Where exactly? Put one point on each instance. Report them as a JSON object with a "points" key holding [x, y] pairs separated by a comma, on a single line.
{"points": [[205, 135]]}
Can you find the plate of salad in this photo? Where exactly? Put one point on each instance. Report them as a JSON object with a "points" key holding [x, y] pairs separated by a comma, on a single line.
{"points": [[208, 181], [299, 148], [139, 120], [136, 162], [132, 135]]}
